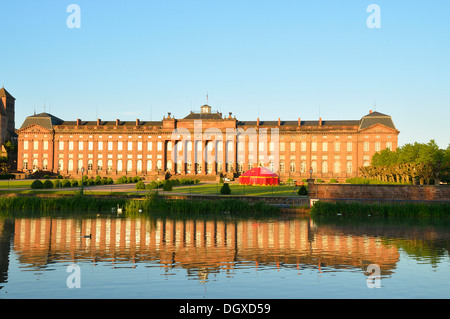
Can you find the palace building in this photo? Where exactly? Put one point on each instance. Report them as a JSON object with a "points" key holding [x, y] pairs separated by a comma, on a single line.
{"points": [[203, 144]]}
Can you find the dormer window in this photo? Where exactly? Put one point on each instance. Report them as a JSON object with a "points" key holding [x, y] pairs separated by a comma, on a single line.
{"points": [[206, 109]]}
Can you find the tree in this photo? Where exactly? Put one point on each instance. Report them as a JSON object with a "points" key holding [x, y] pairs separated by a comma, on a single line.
{"points": [[225, 190]]}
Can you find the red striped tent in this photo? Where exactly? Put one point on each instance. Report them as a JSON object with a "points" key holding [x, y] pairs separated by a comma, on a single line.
{"points": [[259, 176]]}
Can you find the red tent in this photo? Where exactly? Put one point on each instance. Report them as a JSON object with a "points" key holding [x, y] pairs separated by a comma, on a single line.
{"points": [[259, 176]]}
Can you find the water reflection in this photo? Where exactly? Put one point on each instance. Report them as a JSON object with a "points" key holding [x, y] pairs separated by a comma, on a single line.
{"points": [[208, 247]]}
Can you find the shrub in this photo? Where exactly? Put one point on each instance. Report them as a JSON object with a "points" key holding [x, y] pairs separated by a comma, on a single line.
{"points": [[46, 176], [56, 183], [74, 183], [37, 184], [196, 181], [303, 191], [65, 183], [333, 180], [167, 186], [109, 181], [152, 185], [225, 190], [60, 177], [48, 184], [140, 185]]}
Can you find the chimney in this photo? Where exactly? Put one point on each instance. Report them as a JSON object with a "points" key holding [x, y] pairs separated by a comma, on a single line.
{"points": [[279, 121], [117, 122], [299, 122], [257, 121], [78, 122], [137, 122], [370, 112], [320, 121], [98, 122]]}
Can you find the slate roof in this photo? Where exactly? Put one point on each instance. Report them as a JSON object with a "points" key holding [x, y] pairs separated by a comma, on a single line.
{"points": [[45, 120], [203, 116], [4, 93], [376, 118]]}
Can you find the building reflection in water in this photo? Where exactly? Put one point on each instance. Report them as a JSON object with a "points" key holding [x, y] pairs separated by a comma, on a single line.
{"points": [[200, 247]]}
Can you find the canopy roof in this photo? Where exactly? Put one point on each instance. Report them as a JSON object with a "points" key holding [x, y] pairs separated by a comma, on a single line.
{"points": [[259, 176], [260, 171]]}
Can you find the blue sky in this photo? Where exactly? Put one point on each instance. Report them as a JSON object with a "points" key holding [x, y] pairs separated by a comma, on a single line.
{"points": [[288, 59]]}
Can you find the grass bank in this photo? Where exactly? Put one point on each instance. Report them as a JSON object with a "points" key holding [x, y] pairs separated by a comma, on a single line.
{"points": [[149, 204], [356, 209]]}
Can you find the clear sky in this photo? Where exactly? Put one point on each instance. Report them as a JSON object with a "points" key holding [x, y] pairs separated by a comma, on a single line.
{"points": [[288, 59]]}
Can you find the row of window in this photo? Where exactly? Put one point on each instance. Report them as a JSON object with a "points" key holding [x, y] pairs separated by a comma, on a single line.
{"points": [[159, 147], [178, 166]]}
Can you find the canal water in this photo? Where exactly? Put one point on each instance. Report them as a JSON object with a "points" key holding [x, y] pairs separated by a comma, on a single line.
{"points": [[109, 256]]}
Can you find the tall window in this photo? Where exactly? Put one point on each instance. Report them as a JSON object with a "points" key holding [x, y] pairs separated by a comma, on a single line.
{"points": [[292, 147], [90, 146], [119, 165], [349, 167], [45, 145], [70, 145], [303, 146], [314, 147], [100, 146], [45, 164], [366, 146], [139, 146], [110, 164], [36, 145], [349, 146], [61, 145], [130, 146], [119, 146], [149, 165], [70, 165], [325, 146], [292, 167], [314, 166], [377, 146], [324, 167], [303, 167], [35, 164], [90, 165], [282, 167], [80, 145], [129, 165], [337, 167], [25, 145], [60, 165], [80, 164], [389, 145], [337, 146], [139, 166], [100, 165], [25, 164], [110, 146]]}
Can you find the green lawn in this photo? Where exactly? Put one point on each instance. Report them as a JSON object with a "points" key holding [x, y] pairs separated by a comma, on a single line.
{"points": [[24, 186], [236, 189], [15, 184]]}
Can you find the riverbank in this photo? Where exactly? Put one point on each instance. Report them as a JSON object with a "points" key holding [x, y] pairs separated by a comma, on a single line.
{"points": [[359, 209], [150, 203]]}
